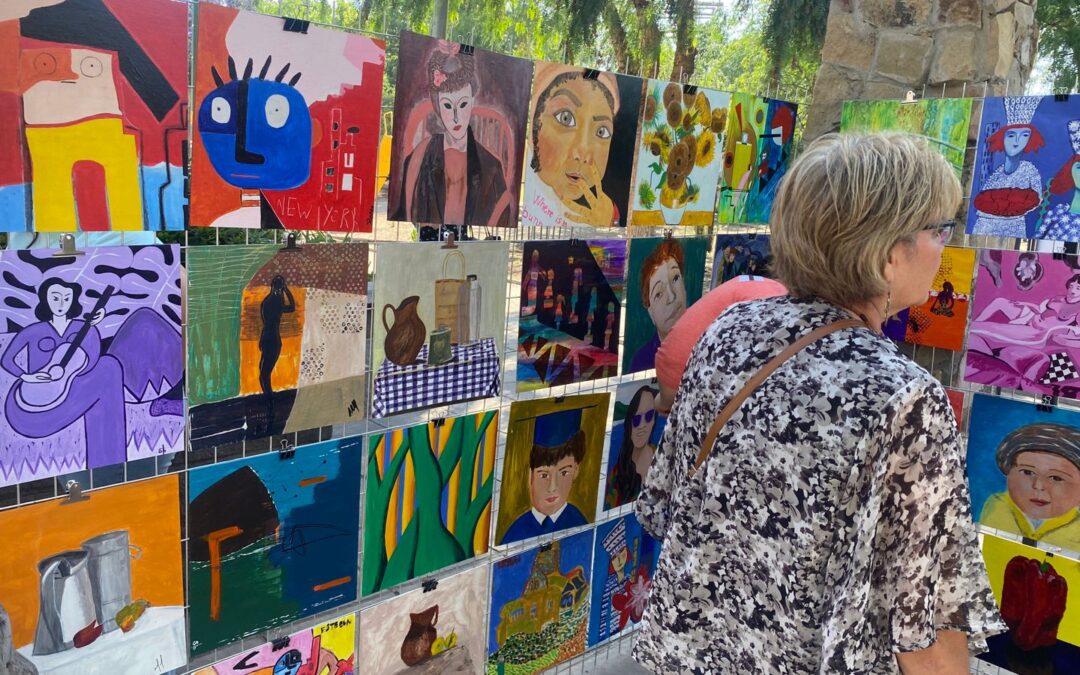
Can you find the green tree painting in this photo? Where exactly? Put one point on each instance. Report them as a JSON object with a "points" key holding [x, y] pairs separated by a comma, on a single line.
{"points": [[428, 502]]}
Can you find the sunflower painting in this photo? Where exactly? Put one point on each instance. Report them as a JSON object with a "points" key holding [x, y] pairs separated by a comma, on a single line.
{"points": [[680, 155]]}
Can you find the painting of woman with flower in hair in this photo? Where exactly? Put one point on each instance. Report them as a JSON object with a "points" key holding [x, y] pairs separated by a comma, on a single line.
{"points": [[678, 165], [459, 133], [1062, 220]]}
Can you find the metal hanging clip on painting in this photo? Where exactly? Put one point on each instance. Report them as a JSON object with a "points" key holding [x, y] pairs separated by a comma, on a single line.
{"points": [[689, 89], [910, 97], [591, 74], [1046, 404], [290, 242], [279, 644], [451, 241], [288, 451], [295, 25], [67, 247], [430, 585], [465, 49], [75, 493], [1061, 98]]}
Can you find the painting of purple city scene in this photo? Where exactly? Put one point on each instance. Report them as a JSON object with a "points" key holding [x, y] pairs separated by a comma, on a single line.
{"points": [[1023, 332], [91, 359], [571, 298]]}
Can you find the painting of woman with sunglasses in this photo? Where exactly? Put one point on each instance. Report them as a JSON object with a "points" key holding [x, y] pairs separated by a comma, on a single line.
{"points": [[639, 427]]}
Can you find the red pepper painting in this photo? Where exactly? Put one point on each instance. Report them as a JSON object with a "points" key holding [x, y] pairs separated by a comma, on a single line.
{"points": [[1032, 602]]}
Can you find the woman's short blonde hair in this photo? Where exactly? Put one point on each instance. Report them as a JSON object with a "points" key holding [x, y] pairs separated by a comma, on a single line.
{"points": [[843, 205]]}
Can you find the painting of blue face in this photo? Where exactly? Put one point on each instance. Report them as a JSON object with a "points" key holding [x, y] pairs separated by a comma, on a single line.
{"points": [[256, 130]]}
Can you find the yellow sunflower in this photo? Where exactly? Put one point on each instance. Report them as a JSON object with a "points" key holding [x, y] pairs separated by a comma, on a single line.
{"points": [[706, 148], [669, 197], [701, 105]]}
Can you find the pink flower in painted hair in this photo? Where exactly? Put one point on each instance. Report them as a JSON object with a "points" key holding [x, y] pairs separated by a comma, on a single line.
{"points": [[438, 77]]}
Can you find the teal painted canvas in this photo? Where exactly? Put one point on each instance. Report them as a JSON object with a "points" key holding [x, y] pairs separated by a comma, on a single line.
{"points": [[665, 276]]}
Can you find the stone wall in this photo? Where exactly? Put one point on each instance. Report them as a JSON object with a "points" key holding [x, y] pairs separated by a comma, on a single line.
{"points": [[876, 49]]}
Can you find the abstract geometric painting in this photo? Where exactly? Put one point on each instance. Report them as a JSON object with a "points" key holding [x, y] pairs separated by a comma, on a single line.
{"points": [[93, 115], [943, 122], [428, 500], [272, 538], [326, 648], [941, 321], [275, 339], [1022, 333], [286, 124], [432, 630], [540, 606], [580, 154], [739, 254], [666, 276], [1023, 465], [96, 586], [635, 432], [426, 292], [459, 133], [1026, 179], [551, 469], [624, 563], [1039, 597], [571, 297], [120, 396], [679, 155], [757, 149]]}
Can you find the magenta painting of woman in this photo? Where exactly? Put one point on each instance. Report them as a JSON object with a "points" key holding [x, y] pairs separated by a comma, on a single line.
{"points": [[1025, 327], [91, 364], [1062, 220], [459, 133]]}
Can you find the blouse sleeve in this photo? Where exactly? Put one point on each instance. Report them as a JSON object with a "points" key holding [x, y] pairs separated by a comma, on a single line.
{"points": [[930, 575]]}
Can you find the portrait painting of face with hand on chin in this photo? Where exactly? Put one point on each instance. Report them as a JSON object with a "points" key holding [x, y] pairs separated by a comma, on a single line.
{"points": [[579, 155]]}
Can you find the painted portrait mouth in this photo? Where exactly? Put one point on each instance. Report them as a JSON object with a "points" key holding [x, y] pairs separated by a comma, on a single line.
{"points": [[551, 500], [574, 177], [1039, 502]]}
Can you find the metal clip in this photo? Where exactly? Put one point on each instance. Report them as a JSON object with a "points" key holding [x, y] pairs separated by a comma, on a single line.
{"points": [[295, 25], [451, 241], [689, 89], [438, 422], [1046, 403], [560, 399], [1061, 98], [430, 585], [287, 451], [591, 74], [467, 50], [1029, 542], [544, 548], [290, 242], [910, 97], [669, 233], [75, 493], [67, 247], [279, 644]]}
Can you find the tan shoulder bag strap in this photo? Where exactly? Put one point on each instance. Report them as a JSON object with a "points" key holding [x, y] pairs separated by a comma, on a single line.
{"points": [[759, 377]]}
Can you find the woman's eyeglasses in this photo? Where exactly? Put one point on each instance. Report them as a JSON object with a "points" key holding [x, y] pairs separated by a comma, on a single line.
{"points": [[649, 415], [943, 231]]}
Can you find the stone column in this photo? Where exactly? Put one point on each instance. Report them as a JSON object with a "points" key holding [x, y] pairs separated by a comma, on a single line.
{"points": [[877, 49]]}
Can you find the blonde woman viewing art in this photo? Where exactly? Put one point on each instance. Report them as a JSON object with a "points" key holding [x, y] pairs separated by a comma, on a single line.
{"points": [[848, 546]]}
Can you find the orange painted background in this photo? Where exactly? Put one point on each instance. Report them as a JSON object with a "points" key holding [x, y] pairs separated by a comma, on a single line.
{"points": [[149, 510], [286, 373]]}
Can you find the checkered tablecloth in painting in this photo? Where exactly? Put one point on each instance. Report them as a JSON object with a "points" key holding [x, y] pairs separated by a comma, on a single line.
{"points": [[473, 372]]}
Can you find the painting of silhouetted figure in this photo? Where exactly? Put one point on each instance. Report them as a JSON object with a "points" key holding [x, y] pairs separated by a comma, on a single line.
{"points": [[277, 302]]}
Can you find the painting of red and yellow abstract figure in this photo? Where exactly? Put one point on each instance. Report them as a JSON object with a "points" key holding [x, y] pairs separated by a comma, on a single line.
{"points": [[93, 115], [286, 124]]}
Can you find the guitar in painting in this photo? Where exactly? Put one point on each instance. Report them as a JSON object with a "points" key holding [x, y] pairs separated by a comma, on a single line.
{"points": [[50, 386]]}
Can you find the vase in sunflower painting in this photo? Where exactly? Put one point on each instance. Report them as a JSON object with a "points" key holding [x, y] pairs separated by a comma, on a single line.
{"points": [[678, 161]]}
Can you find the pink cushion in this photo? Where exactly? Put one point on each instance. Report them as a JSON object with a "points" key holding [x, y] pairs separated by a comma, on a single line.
{"points": [[675, 350]]}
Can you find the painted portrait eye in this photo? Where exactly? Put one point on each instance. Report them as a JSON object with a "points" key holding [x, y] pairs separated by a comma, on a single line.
{"points": [[91, 66], [277, 111], [464, 104], [45, 64], [566, 118], [603, 132], [220, 110]]}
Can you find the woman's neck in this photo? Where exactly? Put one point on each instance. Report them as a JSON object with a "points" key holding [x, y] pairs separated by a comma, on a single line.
{"points": [[872, 312], [1012, 163], [1075, 207], [451, 144], [60, 323]]}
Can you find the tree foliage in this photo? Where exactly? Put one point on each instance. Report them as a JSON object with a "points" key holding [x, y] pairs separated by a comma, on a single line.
{"points": [[1059, 42]]}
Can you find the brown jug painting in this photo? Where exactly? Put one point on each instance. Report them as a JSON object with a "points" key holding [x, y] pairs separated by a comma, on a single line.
{"points": [[406, 337], [422, 635]]}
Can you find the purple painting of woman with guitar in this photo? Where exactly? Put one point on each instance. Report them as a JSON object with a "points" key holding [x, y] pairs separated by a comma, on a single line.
{"points": [[90, 352]]}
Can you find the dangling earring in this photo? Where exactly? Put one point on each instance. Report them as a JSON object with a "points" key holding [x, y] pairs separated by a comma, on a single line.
{"points": [[888, 305]]}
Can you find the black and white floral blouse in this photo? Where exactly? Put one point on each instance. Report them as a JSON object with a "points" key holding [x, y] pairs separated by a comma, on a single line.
{"points": [[830, 526]]}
